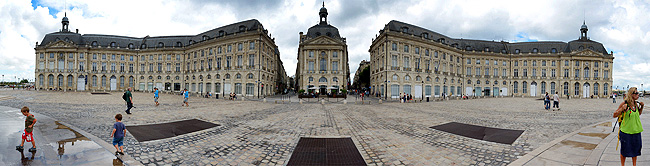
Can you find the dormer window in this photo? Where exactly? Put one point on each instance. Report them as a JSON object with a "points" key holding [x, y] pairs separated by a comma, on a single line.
{"points": [[67, 39], [486, 49], [205, 37], [553, 50], [468, 48], [517, 51], [503, 51], [161, 45], [131, 46], [242, 28], [405, 30], [535, 50], [143, 46], [190, 42], [591, 47], [113, 44], [179, 44], [317, 33], [221, 33], [581, 48], [442, 40], [425, 35], [94, 44], [328, 34]]}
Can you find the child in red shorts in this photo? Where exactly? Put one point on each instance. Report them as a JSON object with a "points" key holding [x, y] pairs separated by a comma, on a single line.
{"points": [[29, 128]]}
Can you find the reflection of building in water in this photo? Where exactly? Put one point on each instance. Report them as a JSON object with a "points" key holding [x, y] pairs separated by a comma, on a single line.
{"points": [[77, 137]]}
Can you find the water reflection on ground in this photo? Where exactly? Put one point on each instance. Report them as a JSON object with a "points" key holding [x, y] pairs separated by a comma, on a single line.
{"points": [[56, 144]]}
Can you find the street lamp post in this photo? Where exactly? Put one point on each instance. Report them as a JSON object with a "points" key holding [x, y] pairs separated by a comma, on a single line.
{"points": [[223, 89], [422, 91]]}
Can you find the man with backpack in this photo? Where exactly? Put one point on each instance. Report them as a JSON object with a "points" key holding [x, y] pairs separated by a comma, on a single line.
{"points": [[129, 100]]}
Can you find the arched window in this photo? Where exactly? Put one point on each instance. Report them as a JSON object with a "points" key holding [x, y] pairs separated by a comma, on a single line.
{"points": [[94, 44], [395, 77], [227, 76], [205, 37], [405, 29], [322, 79], [161, 44], [469, 82], [131, 46], [238, 76], [190, 42], [517, 51], [535, 50], [335, 79], [250, 76], [242, 28], [113, 44], [576, 89], [143, 46], [407, 78], [425, 35], [323, 64], [328, 34], [179, 44], [553, 50]]}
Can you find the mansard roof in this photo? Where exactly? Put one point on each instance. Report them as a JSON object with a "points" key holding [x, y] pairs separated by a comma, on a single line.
{"points": [[151, 42], [496, 46]]}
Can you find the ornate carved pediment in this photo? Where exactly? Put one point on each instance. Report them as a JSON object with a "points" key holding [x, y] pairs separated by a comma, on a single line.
{"points": [[587, 52], [60, 44], [323, 40]]}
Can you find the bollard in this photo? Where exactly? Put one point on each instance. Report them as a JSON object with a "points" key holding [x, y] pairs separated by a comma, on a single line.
{"points": [[379, 101], [300, 101], [322, 101], [345, 102], [276, 102], [264, 100]]}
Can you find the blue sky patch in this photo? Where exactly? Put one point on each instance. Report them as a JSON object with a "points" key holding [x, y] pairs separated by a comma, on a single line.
{"points": [[523, 37], [53, 11]]}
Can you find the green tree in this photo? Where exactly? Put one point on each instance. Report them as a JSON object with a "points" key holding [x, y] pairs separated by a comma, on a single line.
{"points": [[24, 81]]}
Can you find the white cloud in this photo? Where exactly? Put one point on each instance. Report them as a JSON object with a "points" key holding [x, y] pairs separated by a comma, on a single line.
{"points": [[622, 26]]}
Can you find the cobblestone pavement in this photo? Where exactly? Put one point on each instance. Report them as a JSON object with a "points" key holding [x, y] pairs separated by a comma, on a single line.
{"points": [[257, 133]]}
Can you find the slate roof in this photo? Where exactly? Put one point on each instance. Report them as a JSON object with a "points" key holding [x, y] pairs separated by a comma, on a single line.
{"points": [[322, 30], [498, 46], [151, 42]]}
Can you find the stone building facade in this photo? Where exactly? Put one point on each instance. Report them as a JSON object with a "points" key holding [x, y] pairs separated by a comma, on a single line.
{"points": [[322, 58], [240, 58], [409, 59]]}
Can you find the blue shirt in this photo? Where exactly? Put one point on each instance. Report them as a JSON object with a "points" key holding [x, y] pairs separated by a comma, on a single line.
{"points": [[186, 94], [155, 94], [119, 129]]}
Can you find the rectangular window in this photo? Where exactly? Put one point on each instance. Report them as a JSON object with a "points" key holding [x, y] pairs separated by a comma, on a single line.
{"points": [[552, 63], [566, 63], [311, 54], [566, 72], [311, 66], [406, 62], [239, 60], [469, 61], [229, 48], [81, 66], [335, 54], [251, 45], [394, 48], [251, 60], [51, 55], [238, 88], [81, 56], [142, 67], [552, 72], [335, 66], [525, 72], [178, 67], [218, 63], [606, 65], [70, 56], [42, 56], [478, 71], [487, 71], [209, 64], [478, 61], [121, 57], [160, 67], [250, 88], [516, 63], [504, 73], [394, 91], [417, 50], [525, 63], [395, 61], [240, 47], [543, 72], [577, 73], [228, 59], [151, 67], [94, 66], [534, 72], [606, 74], [103, 66], [121, 67], [130, 67], [595, 73], [103, 56], [516, 72], [496, 72]]}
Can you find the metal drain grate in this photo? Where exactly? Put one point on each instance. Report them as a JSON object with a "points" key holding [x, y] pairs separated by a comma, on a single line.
{"points": [[504, 136], [326, 151], [167, 130]]}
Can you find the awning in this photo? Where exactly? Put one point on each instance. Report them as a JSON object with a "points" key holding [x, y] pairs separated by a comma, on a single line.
{"points": [[313, 88]]}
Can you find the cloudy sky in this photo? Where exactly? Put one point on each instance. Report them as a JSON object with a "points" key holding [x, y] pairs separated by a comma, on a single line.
{"points": [[622, 26]]}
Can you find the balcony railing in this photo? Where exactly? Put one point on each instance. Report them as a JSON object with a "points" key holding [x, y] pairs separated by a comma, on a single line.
{"points": [[394, 68], [418, 70], [407, 69]]}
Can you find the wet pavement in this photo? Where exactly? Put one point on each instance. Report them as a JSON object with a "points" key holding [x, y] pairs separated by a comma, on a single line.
{"points": [[56, 143]]}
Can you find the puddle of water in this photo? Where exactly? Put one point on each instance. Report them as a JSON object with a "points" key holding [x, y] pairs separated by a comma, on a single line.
{"points": [[81, 150]]}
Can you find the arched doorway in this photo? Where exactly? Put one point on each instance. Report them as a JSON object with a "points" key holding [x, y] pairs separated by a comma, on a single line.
{"points": [[81, 83], [113, 83], [585, 90], [533, 89]]}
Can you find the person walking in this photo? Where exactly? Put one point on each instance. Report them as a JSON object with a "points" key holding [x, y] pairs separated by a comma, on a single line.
{"points": [[614, 97], [186, 97], [128, 97], [630, 125], [547, 101], [556, 101], [155, 96]]}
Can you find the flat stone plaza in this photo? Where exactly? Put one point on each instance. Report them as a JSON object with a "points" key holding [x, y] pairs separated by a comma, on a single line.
{"points": [[254, 132]]}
